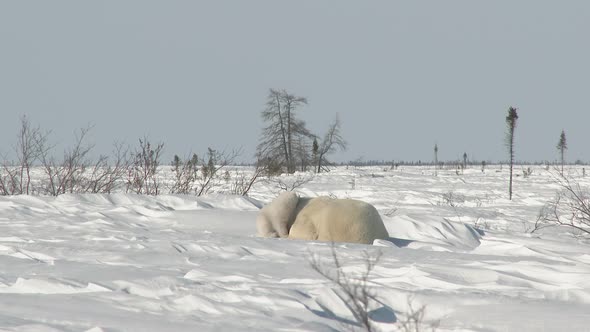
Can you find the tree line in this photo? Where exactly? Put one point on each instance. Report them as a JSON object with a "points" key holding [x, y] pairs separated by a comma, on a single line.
{"points": [[285, 145]]}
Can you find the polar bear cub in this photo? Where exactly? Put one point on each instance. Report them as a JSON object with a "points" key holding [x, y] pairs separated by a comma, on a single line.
{"points": [[322, 219], [275, 219]]}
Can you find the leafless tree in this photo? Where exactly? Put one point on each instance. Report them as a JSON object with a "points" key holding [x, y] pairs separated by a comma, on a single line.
{"points": [[76, 172], [283, 128], [301, 153], [106, 176], [30, 141], [142, 175], [331, 142], [8, 181], [67, 175]]}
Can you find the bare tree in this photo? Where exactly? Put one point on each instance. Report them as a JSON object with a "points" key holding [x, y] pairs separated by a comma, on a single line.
{"points": [[9, 180], [106, 176], [142, 176], [28, 149], [331, 142], [66, 175], [26, 152], [76, 172], [562, 146], [301, 153], [511, 125], [283, 128]]}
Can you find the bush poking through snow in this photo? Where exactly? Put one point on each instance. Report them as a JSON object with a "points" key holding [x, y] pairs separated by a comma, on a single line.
{"points": [[185, 174], [142, 176], [199, 176], [211, 170], [359, 294], [570, 207], [243, 182], [105, 176], [361, 298], [414, 320], [452, 199], [291, 182]]}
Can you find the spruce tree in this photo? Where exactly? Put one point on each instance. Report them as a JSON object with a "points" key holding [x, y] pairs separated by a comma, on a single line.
{"points": [[435, 159], [315, 151], [464, 160], [562, 146], [511, 125]]}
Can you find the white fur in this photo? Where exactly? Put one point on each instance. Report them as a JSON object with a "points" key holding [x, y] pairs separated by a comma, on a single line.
{"points": [[275, 219], [338, 220], [321, 218]]}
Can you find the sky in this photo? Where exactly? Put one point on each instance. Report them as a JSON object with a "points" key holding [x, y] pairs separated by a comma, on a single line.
{"points": [[402, 75]]}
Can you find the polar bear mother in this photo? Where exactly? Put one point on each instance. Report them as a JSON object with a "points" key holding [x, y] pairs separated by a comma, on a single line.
{"points": [[320, 218]]}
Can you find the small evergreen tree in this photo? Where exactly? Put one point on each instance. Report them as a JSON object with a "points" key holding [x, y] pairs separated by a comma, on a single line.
{"points": [[464, 160], [435, 159], [562, 146], [511, 125], [315, 151]]}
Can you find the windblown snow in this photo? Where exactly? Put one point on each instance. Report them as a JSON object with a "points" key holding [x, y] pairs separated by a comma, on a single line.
{"points": [[458, 247]]}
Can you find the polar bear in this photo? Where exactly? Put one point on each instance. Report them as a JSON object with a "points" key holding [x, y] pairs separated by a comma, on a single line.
{"points": [[322, 219], [275, 219]]}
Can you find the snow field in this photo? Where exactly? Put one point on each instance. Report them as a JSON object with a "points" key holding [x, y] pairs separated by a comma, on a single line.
{"points": [[124, 262]]}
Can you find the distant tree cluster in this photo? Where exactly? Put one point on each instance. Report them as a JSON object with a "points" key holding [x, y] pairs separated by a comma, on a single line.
{"points": [[286, 144]]}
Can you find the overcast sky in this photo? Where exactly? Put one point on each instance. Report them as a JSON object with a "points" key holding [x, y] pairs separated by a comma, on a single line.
{"points": [[403, 75]]}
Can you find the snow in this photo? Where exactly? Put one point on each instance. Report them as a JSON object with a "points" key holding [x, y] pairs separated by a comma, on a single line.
{"points": [[124, 262]]}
